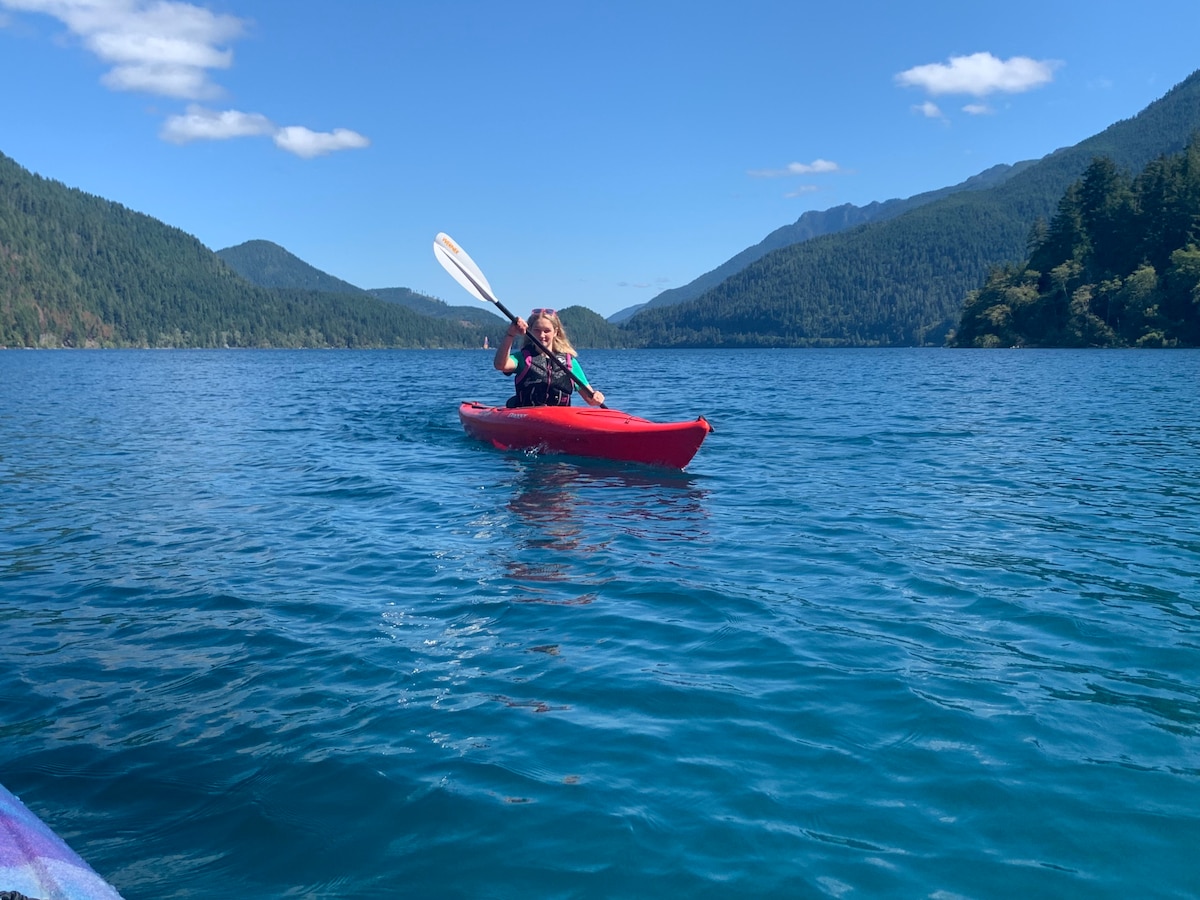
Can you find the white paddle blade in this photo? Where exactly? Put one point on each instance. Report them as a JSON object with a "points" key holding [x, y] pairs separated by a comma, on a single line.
{"points": [[462, 268]]}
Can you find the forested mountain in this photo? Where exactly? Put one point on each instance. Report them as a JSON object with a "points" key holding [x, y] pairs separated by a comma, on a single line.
{"points": [[480, 315], [815, 224], [588, 329], [903, 282], [1118, 266], [269, 265], [77, 270]]}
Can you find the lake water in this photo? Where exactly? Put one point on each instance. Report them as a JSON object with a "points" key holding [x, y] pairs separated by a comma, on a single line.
{"points": [[914, 623]]}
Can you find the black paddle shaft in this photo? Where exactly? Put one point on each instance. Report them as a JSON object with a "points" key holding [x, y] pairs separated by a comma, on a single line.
{"points": [[554, 359], [447, 252]]}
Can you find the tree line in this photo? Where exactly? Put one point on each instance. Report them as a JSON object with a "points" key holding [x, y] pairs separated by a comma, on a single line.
{"points": [[1117, 266], [902, 282], [80, 271], [77, 270]]}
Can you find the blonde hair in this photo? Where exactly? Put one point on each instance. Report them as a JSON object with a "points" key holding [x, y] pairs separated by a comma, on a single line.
{"points": [[562, 343]]}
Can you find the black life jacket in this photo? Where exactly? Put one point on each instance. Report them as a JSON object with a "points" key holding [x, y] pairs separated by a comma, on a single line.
{"points": [[541, 383]]}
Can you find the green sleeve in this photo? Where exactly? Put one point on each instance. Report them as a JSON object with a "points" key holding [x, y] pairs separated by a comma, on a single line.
{"points": [[577, 370]]}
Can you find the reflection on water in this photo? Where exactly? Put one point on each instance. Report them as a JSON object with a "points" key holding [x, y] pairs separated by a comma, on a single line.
{"points": [[929, 628], [545, 497], [558, 500], [558, 507]]}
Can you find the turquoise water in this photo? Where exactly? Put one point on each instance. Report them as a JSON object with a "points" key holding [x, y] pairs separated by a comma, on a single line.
{"points": [[913, 624]]}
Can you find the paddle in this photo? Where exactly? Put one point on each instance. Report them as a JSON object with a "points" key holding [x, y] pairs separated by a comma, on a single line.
{"points": [[462, 268]]}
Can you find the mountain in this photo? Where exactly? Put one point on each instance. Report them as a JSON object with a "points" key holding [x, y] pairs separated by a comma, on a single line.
{"points": [[815, 224], [269, 265], [902, 282], [80, 271], [481, 314], [1117, 266], [591, 330]]}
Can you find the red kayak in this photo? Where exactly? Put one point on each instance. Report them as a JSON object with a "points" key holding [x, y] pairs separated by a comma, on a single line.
{"points": [[585, 431]]}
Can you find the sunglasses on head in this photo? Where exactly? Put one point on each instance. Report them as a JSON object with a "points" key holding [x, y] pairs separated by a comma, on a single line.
{"points": [[543, 311]]}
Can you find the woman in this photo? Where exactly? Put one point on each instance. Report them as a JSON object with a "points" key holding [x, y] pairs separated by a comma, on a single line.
{"points": [[539, 382]]}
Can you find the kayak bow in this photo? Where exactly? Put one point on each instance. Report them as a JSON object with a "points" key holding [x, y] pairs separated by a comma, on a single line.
{"points": [[585, 431], [36, 862]]}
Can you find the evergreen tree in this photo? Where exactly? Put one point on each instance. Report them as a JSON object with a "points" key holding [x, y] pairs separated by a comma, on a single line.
{"points": [[1093, 279], [80, 271]]}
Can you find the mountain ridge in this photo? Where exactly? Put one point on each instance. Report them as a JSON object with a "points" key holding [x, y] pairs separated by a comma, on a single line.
{"points": [[269, 265], [902, 282], [79, 270], [812, 224]]}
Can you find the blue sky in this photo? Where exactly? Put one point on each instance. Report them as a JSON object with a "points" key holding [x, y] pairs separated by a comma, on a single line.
{"points": [[594, 153]]}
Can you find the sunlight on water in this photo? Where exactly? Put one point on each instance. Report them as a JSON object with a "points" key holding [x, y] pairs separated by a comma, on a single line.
{"points": [[913, 623]]}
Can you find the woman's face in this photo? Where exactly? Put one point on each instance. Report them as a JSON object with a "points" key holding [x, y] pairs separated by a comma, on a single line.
{"points": [[543, 329]]}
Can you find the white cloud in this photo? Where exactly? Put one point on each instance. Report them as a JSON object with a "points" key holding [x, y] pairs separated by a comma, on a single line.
{"points": [[180, 82], [801, 191], [154, 46], [980, 74], [817, 166], [200, 124], [307, 144], [929, 110], [978, 109], [170, 48]]}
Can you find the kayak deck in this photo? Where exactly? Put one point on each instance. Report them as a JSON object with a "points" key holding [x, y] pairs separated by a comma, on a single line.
{"points": [[585, 431], [36, 862]]}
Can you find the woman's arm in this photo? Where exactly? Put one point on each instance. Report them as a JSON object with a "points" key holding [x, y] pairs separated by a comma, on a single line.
{"points": [[503, 360]]}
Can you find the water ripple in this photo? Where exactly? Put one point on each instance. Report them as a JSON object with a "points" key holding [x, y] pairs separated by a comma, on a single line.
{"points": [[928, 629]]}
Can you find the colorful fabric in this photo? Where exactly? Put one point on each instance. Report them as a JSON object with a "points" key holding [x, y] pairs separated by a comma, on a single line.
{"points": [[34, 861], [540, 383], [522, 357]]}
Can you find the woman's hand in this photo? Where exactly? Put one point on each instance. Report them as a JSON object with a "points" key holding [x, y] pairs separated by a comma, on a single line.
{"points": [[502, 361], [596, 398]]}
